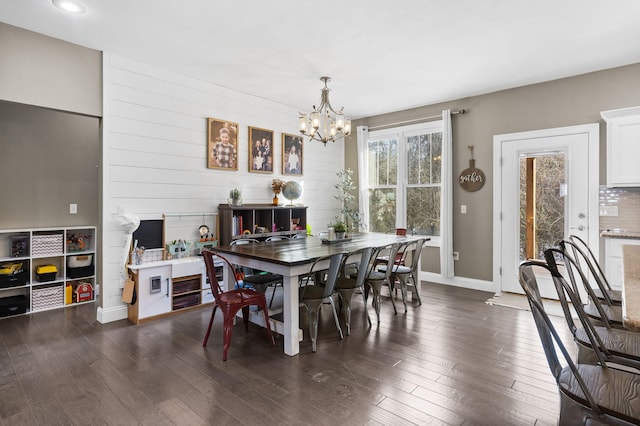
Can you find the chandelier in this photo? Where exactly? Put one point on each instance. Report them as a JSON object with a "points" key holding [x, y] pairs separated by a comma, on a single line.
{"points": [[324, 124]]}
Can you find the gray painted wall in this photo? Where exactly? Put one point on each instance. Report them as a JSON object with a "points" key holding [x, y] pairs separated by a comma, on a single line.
{"points": [[48, 159], [558, 103], [44, 71]]}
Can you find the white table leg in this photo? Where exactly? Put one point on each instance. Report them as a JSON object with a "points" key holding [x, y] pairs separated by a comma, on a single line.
{"points": [[291, 315]]}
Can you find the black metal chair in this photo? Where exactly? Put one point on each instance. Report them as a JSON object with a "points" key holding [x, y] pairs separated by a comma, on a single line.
{"points": [[406, 271], [617, 345], [599, 311], [313, 294], [591, 268], [347, 285], [589, 394], [376, 279]]}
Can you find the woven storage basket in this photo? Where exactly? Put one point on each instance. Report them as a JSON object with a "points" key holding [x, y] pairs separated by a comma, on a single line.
{"points": [[47, 298], [46, 244]]}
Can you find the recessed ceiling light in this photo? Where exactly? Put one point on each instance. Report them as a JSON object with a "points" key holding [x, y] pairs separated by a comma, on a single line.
{"points": [[71, 6]]}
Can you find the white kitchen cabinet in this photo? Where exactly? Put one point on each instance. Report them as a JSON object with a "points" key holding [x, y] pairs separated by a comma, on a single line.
{"points": [[68, 253], [614, 267], [623, 146]]}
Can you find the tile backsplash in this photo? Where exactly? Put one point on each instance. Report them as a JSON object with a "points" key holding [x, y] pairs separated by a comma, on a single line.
{"points": [[627, 201]]}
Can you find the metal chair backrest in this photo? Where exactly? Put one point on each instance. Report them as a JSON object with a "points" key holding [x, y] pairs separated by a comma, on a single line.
{"points": [[547, 332], [276, 238], [363, 264], [209, 257], [398, 231], [578, 278], [586, 261], [415, 254], [335, 265], [391, 261], [565, 291], [241, 241]]}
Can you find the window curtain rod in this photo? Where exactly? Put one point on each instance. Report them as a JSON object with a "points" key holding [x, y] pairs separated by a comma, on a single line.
{"points": [[415, 120]]}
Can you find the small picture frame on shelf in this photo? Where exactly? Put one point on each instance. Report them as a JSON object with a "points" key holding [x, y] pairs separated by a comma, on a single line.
{"points": [[222, 144], [19, 245], [260, 150], [292, 154]]}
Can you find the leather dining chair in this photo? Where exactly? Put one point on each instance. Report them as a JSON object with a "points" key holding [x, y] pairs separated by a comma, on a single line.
{"points": [[589, 394], [230, 302], [347, 285], [313, 294]]}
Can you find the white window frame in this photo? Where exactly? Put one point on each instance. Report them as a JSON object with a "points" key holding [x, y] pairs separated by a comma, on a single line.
{"points": [[401, 134]]}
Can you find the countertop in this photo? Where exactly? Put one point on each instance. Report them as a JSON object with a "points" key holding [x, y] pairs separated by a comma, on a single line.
{"points": [[166, 262], [619, 233]]}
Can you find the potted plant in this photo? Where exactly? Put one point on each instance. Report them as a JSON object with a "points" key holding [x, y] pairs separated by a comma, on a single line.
{"points": [[235, 197], [349, 208], [341, 230]]}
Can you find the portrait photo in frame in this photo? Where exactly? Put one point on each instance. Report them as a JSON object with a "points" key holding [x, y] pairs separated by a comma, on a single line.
{"points": [[260, 150], [292, 154], [222, 144]]}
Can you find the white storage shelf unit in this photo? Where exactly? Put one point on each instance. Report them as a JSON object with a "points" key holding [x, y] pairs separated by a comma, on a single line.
{"points": [[66, 258]]}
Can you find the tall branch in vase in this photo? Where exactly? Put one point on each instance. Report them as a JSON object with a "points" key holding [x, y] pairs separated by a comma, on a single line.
{"points": [[349, 208]]}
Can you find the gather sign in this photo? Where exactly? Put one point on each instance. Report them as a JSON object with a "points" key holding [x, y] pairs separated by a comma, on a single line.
{"points": [[471, 179]]}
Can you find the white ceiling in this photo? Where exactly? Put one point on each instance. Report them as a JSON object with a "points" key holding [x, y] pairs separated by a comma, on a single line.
{"points": [[382, 55]]}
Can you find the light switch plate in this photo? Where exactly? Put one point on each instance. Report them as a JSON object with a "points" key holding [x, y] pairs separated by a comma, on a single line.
{"points": [[73, 208]]}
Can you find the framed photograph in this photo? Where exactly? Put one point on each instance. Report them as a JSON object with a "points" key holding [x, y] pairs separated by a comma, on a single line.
{"points": [[260, 150], [291, 154], [222, 144]]}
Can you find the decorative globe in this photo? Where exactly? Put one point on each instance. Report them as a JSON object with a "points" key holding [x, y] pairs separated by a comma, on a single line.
{"points": [[292, 190]]}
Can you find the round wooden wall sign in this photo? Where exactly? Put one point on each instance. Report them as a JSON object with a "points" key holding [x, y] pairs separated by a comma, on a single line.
{"points": [[471, 179]]}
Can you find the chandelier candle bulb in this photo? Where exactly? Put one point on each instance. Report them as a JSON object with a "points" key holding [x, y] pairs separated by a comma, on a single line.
{"points": [[324, 124]]}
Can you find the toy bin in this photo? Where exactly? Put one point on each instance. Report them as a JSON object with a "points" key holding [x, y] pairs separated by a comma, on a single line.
{"points": [[80, 266], [13, 305], [13, 274], [46, 273]]}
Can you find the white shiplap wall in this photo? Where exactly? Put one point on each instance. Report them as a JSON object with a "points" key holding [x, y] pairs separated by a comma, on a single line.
{"points": [[154, 159]]}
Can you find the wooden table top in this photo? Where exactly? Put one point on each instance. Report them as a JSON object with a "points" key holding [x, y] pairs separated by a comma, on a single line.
{"points": [[300, 251]]}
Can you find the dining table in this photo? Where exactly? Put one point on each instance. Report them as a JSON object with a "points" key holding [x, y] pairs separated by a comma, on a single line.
{"points": [[291, 259]]}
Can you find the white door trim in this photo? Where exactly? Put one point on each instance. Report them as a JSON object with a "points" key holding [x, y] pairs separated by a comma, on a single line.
{"points": [[593, 132]]}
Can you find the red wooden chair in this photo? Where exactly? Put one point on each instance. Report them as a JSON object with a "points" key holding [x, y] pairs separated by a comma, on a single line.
{"points": [[230, 302]]}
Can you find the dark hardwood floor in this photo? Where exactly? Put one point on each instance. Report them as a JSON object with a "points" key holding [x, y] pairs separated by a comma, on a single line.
{"points": [[455, 360]]}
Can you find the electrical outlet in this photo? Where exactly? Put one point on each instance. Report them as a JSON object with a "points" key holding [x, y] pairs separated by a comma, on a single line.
{"points": [[463, 209], [456, 255], [73, 208]]}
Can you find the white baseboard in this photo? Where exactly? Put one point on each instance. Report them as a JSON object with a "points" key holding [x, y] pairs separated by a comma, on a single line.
{"points": [[116, 313], [469, 283]]}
